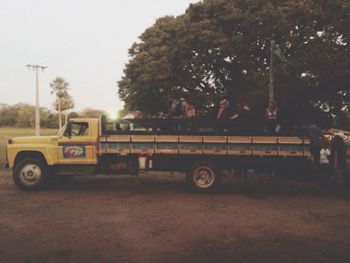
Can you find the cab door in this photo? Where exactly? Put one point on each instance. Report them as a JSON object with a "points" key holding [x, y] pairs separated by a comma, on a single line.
{"points": [[77, 145]]}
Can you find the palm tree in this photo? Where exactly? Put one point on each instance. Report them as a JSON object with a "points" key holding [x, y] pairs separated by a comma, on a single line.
{"points": [[59, 87], [67, 103]]}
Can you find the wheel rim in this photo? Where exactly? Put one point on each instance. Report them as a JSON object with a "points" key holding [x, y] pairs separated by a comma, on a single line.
{"points": [[203, 177], [30, 174]]}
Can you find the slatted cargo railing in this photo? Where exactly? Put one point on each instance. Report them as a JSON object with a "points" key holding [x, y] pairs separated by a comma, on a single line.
{"points": [[209, 145]]}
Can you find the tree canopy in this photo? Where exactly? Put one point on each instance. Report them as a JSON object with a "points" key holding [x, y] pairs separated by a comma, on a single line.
{"points": [[221, 48]]}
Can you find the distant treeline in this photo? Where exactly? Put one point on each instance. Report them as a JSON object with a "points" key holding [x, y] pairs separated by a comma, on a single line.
{"points": [[23, 115]]}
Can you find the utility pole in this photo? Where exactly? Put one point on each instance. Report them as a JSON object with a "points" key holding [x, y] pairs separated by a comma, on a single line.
{"points": [[272, 77], [37, 107]]}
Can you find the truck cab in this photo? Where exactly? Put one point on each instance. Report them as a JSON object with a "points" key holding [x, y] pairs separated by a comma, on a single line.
{"points": [[78, 142], [34, 158]]}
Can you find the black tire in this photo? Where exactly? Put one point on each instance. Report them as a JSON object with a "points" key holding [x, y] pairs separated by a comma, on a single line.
{"points": [[30, 174], [203, 177]]}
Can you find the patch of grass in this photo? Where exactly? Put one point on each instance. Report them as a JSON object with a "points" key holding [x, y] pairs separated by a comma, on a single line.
{"points": [[7, 133]]}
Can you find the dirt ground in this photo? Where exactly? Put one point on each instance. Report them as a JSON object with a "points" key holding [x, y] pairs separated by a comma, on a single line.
{"points": [[112, 219]]}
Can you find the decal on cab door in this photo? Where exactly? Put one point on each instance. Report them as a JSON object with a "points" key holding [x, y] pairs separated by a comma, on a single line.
{"points": [[74, 151]]}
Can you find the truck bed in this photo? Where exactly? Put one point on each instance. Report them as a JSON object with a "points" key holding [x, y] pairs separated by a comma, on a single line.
{"points": [[149, 144]]}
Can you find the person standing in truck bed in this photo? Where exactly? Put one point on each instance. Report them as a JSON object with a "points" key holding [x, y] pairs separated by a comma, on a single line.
{"points": [[178, 110], [317, 140], [222, 113], [271, 117], [325, 166], [339, 158], [245, 118]]}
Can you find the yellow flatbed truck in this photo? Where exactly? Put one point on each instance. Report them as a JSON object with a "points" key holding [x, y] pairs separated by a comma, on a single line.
{"points": [[99, 146]]}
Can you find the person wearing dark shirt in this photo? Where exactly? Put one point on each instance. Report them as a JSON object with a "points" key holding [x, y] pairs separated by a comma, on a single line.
{"points": [[339, 158], [339, 151], [244, 118], [271, 117], [317, 139]]}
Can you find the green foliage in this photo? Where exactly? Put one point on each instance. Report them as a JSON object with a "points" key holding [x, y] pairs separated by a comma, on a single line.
{"points": [[221, 48], [8, 116], [23, 115], [73, 115], [91, 113]]}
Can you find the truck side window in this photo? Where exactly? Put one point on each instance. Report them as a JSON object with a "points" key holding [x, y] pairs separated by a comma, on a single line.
{"points": [[78, 129]]}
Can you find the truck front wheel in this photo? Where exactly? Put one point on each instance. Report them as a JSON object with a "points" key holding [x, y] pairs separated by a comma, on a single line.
{"points": [[203, 177], [30, 174]]}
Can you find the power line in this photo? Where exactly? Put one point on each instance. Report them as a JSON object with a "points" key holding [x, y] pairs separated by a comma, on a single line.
{"points": [[37, 107]]}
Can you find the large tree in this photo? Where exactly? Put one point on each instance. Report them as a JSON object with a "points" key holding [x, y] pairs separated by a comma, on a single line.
{"points": [[221, 48]]}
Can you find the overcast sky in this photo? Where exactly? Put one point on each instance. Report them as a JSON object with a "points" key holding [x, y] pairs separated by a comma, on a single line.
{"points": [[84, 41]]}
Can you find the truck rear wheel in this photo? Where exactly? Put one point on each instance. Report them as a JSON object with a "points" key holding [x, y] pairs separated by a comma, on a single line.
{"points": [[203, 177], [30, 174]]}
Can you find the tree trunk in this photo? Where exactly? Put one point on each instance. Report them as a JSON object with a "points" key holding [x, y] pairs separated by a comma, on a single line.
{"points": [[59, 114], [66, 117]]}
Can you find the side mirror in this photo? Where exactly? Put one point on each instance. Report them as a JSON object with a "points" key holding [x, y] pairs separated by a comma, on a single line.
{"points": [[68, 132]]}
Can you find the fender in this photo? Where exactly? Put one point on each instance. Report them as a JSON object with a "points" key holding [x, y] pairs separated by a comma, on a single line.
{"points": [[15, 150]]}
